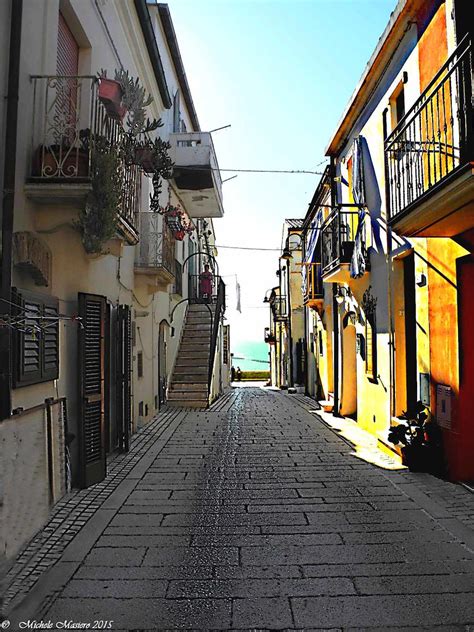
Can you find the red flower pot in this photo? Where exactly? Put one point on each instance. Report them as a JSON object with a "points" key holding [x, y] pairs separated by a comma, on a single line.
{"points": [[179, 235], [110, 94]]}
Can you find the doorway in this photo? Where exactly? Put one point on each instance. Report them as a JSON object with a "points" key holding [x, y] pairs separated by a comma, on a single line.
{"points": [[410, 331]]}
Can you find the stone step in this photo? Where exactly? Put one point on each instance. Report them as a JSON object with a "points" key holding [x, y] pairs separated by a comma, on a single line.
{"points": [[194, 359], [191, 370], [190, 347], [198, 327], [197, 317], [176, 389], [200, 336], [198, 403], [185, 378]]}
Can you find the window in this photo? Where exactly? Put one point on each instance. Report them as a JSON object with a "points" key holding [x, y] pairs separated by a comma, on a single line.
{"points": [[397, 105], [176, 114], [178, 274], [369, 305], [370, 349], [36, 343]]}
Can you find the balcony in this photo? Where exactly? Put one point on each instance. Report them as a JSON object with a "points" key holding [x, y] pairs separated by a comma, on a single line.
{"points": [[279, 307], [338, 236], [196, 174], [69, 124], [314, 293], [156, 251], [269, 337], [429, 156]]}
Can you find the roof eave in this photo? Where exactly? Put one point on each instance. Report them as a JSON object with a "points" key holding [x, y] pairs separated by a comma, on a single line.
{"points": [[374, 69], [172, 41]]}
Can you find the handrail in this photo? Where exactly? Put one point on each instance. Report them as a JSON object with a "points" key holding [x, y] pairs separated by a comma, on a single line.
{"points": [[220, 309], [434, 138]]}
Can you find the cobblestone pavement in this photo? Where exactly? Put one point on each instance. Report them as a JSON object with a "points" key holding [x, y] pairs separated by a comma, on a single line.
{"points": [[255, 515]]}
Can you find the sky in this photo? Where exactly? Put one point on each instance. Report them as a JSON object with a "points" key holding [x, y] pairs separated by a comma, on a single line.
{"points": [[280, 72]]}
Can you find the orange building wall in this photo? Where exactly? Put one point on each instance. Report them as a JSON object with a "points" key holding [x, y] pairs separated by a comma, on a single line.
{"points": [[433, 47]]}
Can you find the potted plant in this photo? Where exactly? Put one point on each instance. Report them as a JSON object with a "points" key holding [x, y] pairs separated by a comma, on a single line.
{"points": [[177, 221], [97, 220], [111, 93], [420, 441]]}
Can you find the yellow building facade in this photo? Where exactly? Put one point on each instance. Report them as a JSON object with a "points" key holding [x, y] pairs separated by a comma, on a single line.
{"points": [[386, 323]]}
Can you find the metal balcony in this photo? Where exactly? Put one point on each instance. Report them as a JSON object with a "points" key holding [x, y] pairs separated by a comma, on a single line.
{"points": [[338, 236], [69, 122], [429, 155], [196, 173], [314, 293], [155, 255]]}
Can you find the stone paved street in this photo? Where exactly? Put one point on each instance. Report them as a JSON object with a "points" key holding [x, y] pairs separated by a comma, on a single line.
{"points": [[256, 515]]}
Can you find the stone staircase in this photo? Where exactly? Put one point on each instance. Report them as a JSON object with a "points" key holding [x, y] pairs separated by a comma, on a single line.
{"points": [[189, 385]]}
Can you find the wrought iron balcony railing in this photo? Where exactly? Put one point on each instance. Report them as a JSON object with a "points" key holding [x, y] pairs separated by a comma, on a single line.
{"points": [[435, 137], [314, 282], [338, 236], [69, 123], [157, 246]]}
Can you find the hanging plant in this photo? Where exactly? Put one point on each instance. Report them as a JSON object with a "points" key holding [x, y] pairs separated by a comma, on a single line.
{"points": [[177, 220], [97, 220]]}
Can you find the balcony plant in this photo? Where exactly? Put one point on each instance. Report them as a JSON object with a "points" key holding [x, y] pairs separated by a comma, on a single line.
{"points": [[97, 220], [420, 440]]}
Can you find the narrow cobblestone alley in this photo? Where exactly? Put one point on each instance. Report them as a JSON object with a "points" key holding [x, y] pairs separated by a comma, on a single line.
{"points": [[256, 515]]}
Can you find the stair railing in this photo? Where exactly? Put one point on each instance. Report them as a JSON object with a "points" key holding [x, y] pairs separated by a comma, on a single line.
{"points": [[215, 322]]}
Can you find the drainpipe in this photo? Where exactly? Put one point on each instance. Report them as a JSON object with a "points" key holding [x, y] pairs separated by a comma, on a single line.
{"points": [[290, 338], [335, 305], [9, 174]]}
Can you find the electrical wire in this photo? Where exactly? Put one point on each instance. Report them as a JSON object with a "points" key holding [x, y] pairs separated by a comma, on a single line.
{"points": [[249, 248], [288, 171]]}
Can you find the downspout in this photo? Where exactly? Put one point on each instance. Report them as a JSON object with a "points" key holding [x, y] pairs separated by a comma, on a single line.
{"points": [[9, 175], [305, 316], [335, 306], [290, 338], [391, 337]]}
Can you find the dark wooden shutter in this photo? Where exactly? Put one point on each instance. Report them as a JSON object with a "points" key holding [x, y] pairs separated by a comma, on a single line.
{"points": [[36, 357], [124, 375], [91, 388], [50, 351]]}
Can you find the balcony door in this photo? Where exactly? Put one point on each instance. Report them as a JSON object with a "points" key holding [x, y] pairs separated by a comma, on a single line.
{"points": [[67, 68]]}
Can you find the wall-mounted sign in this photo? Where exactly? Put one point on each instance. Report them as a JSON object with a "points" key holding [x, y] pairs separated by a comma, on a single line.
{"points": [[443, 405]]}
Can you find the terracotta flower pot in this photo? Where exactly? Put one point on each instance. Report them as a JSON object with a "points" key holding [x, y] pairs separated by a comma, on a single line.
{"points": [[74, 164], [144, 158], [110, 94]]}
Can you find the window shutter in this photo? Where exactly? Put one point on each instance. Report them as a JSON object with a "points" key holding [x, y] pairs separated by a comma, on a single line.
{"points": [[68, 50], [36, 357], [91, 387], [50, 356], [124, 375]]}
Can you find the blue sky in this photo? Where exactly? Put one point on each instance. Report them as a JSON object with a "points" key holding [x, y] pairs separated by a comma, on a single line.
{"points": [[280, 72]]}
